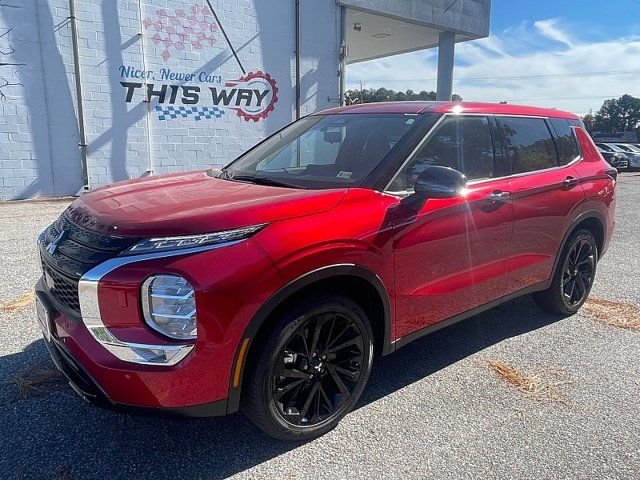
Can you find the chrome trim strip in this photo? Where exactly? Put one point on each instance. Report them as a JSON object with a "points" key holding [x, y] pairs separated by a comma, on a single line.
{"points": [[524, 174], [166, 355], [162, 355], [174, 315]]}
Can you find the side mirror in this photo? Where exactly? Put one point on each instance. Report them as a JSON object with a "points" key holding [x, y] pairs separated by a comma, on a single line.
{"points": [[440, 182]]}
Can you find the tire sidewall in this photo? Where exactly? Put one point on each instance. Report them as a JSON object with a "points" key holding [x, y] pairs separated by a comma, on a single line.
{"points": [[577, 237], [291, 322]]}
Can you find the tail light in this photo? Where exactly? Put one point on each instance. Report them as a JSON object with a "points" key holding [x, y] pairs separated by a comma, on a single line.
{"points": [[612, 173]]}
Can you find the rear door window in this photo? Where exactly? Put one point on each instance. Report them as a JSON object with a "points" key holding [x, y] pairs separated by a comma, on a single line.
{"points": [[565, 141], [530, 146]]}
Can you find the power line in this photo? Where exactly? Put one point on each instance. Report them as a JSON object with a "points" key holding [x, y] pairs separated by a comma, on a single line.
{"points": [[513, 77], [563, 98]]}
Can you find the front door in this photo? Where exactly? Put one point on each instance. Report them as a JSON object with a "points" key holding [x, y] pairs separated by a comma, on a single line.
{"points": [[451, 254]]}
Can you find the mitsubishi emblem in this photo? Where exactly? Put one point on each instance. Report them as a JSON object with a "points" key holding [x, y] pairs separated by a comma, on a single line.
{"points": [[53, 244]]}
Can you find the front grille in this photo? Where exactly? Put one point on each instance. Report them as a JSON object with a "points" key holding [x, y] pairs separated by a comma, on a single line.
{"points": [[77, 251], [63, 287]]}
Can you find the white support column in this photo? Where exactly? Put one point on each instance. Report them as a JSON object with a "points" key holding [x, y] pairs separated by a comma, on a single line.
{"points": [[446, 53], [149, 123]]}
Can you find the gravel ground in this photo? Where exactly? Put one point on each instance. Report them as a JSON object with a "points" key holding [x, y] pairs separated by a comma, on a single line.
{"points": [[434, 409]]}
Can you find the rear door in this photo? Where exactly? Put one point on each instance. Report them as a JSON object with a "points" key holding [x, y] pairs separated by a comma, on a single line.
{"points": [[546, 193], [451, 253]]}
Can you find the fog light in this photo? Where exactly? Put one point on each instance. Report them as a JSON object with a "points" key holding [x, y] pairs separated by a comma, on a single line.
{"points": [[169, 306]]}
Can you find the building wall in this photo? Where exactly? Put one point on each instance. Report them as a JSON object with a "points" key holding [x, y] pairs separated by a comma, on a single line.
{"points": [[181, 63]]}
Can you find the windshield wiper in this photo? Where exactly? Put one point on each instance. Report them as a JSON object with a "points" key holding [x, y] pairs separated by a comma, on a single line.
{"points": [[258, 180]]}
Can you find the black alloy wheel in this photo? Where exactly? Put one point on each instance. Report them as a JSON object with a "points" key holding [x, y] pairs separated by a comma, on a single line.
{"points": [[311, 370], [318, 368], [573, 276], [578, 272]]}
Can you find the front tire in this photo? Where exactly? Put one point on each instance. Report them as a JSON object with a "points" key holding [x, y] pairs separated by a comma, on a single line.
{"points": [[311, 370], [574, 276]]}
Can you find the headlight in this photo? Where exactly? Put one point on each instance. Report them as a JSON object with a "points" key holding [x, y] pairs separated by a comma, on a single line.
{"points": [[169, 306], [174, 243]]}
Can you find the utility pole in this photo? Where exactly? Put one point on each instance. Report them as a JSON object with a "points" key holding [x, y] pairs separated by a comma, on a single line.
{"points": [[361, 93]]}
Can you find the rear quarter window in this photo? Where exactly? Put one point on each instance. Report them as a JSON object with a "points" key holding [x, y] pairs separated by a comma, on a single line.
{"points": [[574, 122], [530, 146], [566, 141]]}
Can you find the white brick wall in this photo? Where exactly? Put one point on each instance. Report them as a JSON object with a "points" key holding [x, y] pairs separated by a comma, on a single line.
{"points": [[39, 153]]}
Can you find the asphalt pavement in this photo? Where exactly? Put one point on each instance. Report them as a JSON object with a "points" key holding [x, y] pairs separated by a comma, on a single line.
{"points": [[434, 409]]}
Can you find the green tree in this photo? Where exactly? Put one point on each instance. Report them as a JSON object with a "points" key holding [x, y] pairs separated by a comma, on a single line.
{"points": [[618, 115], [589, 122], [370, 95], [401, 96]]}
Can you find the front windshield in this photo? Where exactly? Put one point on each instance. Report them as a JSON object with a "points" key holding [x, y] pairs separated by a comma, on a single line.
{"points": [[323, 151]]}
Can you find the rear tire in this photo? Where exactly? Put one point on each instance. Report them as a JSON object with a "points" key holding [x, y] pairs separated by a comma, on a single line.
{"points": [[311, 370], [573, 277]]}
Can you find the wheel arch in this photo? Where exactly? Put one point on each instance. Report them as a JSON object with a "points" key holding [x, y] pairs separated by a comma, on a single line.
{"points": [[324, 278], [593, 221]]}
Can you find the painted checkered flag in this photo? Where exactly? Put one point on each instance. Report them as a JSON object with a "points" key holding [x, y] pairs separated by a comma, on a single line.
{"points": [[197, 113], [196, 27]]}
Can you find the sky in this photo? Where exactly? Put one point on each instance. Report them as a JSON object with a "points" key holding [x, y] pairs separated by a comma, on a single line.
{"points": [[566, 54]]}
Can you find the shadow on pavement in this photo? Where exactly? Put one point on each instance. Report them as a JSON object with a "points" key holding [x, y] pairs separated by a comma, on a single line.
{"points": [[59, 435]]}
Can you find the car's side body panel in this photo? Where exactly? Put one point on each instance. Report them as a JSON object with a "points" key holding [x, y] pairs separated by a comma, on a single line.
{"points": [[444, 265], [545, 204], [598, 185]]}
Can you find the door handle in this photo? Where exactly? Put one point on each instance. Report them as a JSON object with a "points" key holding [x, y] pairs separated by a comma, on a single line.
{"points": [[499, 196], [569, 182]]}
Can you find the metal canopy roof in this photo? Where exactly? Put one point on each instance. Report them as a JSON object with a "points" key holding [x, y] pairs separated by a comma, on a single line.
{"points": [[380, 28]]}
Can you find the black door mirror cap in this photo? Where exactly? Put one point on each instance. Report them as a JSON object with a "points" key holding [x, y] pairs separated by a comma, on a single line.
{"points": [[440, 182]]}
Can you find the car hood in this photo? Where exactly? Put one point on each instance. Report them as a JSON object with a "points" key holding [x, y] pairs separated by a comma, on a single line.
{"points": [[192, 203]]}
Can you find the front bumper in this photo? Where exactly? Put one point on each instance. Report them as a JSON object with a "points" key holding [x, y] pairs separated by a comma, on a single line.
{"points": [[81, 379], [85, 386], [111, 326]]}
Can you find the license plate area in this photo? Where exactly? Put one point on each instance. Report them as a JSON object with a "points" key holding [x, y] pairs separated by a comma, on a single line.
{"points": [[44, 316]]}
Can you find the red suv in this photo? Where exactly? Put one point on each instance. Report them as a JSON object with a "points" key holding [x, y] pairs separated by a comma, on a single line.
{"points": [[270, 285]]}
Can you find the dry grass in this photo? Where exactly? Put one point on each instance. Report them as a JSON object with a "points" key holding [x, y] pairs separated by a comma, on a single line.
{"points": [[534, 385], [615, 314], [19, 303], [525, 383], [37, 380]]}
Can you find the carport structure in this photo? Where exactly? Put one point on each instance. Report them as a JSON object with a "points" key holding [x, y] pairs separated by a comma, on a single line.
{"points": [[381, 28]]}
